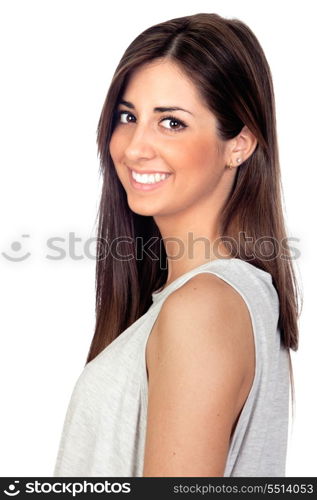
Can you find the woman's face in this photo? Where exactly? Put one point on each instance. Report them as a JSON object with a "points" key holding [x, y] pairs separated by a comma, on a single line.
{"points": [[180, 143]]}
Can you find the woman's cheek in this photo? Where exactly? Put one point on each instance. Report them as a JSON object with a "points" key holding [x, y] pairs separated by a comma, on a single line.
{"points": [[195, 156], [181, 155], [114, 146]]}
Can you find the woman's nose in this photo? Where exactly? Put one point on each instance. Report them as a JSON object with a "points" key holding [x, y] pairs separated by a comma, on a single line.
{"points": [[140, 144]]}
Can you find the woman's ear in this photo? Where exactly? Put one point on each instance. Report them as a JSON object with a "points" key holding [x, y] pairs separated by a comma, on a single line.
{"points": [[244, 145]]}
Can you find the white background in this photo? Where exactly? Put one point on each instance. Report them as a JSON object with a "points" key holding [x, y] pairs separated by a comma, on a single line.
{"points": [[57, 60]]}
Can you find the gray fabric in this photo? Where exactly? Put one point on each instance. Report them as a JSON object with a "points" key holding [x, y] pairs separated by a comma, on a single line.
{"points": [[105, 424]]}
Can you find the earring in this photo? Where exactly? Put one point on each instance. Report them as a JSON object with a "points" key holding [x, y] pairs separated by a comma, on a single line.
{"points": [[230, 166]]}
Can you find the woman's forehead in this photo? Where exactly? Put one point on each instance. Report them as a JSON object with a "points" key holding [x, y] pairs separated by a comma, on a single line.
{"points": [[163, 80]]}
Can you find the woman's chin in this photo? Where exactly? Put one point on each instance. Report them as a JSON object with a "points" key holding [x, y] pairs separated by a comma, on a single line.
{"points": [[143, 209]]}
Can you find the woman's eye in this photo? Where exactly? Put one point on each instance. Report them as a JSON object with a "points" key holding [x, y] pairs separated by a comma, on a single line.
{"points": [[174, 123], [123, 116]]}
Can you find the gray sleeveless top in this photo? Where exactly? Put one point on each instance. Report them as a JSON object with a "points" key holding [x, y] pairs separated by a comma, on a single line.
{"points": [[105, 424]]}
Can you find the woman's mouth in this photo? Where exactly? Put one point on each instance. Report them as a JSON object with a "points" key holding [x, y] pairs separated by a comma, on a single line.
{"points": [[148, 181]]}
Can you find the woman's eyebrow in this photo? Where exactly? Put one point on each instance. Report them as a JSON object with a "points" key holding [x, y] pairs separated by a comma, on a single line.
{"points": [[159, 109]]}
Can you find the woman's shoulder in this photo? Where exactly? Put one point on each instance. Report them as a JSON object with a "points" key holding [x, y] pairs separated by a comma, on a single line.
{"points": [[206, 311], [234, 291], [205, 297]]}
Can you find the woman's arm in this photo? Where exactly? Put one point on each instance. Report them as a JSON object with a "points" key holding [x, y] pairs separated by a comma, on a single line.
{"points": [[200, 357]]}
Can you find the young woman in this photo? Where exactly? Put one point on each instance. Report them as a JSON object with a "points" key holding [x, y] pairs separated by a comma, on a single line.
{"points": [[189, 368]]}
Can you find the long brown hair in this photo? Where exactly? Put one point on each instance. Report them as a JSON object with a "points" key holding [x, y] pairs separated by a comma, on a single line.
{"points": [[225, 61]]}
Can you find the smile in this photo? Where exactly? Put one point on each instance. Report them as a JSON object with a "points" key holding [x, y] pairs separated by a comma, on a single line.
{"points": [[149, 178], [147, 181]]}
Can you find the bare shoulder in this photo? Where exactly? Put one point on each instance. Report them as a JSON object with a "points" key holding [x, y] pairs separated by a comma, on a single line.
{"points": [[208, 302], [199, 377]]}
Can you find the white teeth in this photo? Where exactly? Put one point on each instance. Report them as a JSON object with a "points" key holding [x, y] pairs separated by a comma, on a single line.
{"points": [[149, 178]]}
